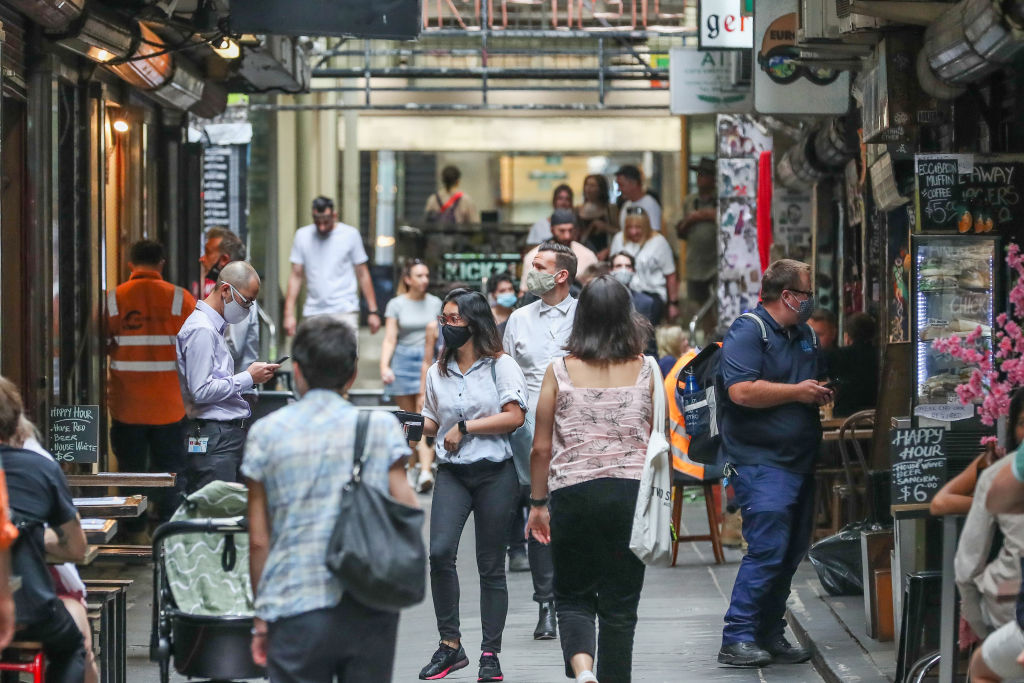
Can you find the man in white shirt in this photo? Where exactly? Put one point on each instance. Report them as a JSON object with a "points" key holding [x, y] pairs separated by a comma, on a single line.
{"points": [[563, 230], [535, 335], [631, 185], [330, 258], [540, 231]]}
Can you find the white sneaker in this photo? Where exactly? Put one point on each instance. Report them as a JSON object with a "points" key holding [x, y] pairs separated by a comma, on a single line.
{"points": [[411, 474], [586, 677], [425, 481]]}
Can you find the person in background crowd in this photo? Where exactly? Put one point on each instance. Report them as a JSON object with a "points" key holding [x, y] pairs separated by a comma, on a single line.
{"points": [[540, 231], [536, 336], [330, 258], [501, 291], [66, 580], [475, 396], [563, 230], [8, 535], [854, 366], [624, 270], [673, 342], [592, 272], [147, 428], [591, 470], [771, 435], [39, 496], [699, 228], [654, 263], [297, 463], [222, 247], [598, 218], [401, 354], [212, 391], [631, 185], [823, 322], [450, 205]]}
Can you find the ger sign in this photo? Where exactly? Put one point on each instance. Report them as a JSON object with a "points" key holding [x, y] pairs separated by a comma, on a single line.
{"points": [[722, 26]]}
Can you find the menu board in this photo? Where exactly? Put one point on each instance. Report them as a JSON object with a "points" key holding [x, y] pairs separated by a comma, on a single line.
{"points": [[918, 460], [969, 193], [224, 191], [75, 433]]}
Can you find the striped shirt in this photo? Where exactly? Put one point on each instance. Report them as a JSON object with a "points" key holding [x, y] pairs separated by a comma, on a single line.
{"points": [[302, 454]]}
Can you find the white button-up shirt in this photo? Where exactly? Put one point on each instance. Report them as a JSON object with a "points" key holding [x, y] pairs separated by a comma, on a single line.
{"points": [[210, 387], [537, 334]]}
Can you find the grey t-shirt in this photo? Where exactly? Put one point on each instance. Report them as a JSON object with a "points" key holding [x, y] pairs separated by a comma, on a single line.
{"points": [[701, 242], [413, 317]]}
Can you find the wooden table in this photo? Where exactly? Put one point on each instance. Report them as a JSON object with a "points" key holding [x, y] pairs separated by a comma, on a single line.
{"points": [[101, 535], [833, 434], [90, 554], [137, 479], [133, 506]]}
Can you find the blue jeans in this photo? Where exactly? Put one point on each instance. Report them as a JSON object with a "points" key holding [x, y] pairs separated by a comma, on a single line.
{"points": [[778, 511]]}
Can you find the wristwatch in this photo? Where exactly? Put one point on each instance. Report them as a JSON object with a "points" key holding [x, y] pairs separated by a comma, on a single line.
{"points": [[373, 313], [462, 427], [673, 303], [537, 503]]}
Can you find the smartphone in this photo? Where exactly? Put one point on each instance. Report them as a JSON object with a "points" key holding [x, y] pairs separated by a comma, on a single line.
{"points": [[830, 383], [281, 360]]}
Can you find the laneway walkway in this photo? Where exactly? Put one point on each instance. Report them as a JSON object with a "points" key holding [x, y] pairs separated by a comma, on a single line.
{"points": [[677, 638]]}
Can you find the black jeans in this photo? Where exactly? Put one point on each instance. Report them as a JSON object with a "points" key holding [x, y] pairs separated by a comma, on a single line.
{"points": [[489, 490], [307, 648], [596, 574], [62, 642], [541, 566], [151, 448], [222, 458]]}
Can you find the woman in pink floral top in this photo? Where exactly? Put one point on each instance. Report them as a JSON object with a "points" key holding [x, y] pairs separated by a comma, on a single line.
{"points": [[593, 423]]}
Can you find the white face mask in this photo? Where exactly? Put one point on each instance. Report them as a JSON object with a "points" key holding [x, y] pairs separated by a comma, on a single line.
{"points": [[234, 312]]}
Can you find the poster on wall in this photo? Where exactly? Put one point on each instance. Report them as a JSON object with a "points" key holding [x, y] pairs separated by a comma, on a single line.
{"points": [[739, 136], [781, 85], [737, 178], [897, 228], [701, 82], [739, 273], [792, 216]]}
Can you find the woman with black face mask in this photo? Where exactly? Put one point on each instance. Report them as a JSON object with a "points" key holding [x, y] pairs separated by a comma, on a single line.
{"points": [[475, 396]]}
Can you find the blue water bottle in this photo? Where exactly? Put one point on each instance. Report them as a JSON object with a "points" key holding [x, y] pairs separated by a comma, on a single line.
{"points": [[695, 407]]}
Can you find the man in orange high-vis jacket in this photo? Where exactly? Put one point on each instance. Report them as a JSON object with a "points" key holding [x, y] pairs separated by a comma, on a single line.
{"points": [[147, 414]]}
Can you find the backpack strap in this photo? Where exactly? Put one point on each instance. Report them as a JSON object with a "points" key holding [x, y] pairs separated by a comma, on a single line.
{"points": [[452, 201], [357, 454], [814, 337], [760, 323]]}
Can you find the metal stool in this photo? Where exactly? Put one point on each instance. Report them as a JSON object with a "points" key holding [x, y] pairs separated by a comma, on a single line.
{"points": [[679, 483], [34, 666]]}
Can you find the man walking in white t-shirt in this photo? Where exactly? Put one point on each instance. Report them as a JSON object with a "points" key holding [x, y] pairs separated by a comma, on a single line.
{"points": [[631, 185], [330, 257]]}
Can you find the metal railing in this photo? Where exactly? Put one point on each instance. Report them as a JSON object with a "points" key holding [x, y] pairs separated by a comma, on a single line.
{"points": [[699, 315]]}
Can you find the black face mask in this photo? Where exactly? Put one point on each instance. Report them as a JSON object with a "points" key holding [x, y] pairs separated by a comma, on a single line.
{"points": [[213, 273], [454, 337]]}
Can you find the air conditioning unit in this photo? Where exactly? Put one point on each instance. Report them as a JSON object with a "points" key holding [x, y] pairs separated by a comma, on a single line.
{"points": [[850, 22], [741, 68], [818, 21]]}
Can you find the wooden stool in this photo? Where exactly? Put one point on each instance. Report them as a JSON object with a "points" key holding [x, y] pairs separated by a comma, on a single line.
{"points": [[22, 650], [680, 482]]}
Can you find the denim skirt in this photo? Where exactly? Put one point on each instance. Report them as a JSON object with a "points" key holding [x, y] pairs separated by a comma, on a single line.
{"points": [[406, 364]]}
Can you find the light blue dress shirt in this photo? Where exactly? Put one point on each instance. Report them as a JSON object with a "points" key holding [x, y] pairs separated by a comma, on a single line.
{"points": [[478, 393], [536, 335], [206, 371]]}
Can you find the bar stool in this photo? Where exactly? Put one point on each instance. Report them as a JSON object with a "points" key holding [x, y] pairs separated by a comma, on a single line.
{"points": [[679, 483], [29, 659]]}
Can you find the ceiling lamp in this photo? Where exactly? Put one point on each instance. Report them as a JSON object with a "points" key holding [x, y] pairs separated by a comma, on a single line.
{"points": [[97, 37], [227, 48], [120, 125]]}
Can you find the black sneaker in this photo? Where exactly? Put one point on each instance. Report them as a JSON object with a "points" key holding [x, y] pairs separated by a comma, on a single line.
{"points": [[783, 652], [744, 654], [445, 660], [490, 670]]}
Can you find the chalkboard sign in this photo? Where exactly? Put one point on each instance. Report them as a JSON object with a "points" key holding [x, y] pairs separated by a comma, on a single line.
{"points": [[969, 193], [918, 459], [75, 433], [224, 188]]}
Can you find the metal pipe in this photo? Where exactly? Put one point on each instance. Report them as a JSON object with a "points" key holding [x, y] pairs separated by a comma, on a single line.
{"points": [[473, 88], [701, 312], [477, 72], [271, 330], [413, 107], [472, 52], [683, 31], [600, 73]]}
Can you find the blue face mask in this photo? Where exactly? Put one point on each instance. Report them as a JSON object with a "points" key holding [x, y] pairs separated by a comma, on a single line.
{"points": [[506, 299], [803, 313]]}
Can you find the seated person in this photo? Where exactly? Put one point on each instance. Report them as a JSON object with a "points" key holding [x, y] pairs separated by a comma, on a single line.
{"points": [[855, 366], [980, 580], [38, 496]]}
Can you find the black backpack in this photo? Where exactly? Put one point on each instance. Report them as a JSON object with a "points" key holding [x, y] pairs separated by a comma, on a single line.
{"points": [[445, 214]]}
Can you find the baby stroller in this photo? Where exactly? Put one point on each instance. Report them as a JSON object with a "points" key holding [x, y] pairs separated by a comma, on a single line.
{"points": [[202, 600]]}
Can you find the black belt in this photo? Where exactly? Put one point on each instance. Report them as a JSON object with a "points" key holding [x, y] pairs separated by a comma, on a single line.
{"points": [[239, 422]]}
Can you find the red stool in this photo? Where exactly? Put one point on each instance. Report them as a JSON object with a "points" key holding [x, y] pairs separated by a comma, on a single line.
{"points": [[33, 666]]}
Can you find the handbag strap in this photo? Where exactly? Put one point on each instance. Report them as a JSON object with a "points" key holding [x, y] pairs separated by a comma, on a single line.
{"points": [[658, 396], [357, 456]]}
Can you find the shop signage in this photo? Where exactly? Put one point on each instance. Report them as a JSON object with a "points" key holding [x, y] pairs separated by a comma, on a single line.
{"points": [[781, 85], [476, 267], [918, 459], [224, 188], [969, 193], [700, 82], [721, 25], [75, 433]]}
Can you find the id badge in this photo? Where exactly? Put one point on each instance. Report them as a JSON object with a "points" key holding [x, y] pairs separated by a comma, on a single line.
{"points": [[197, 444]]}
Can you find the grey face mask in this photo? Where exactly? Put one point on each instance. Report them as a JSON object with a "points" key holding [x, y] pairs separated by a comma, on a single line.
{"points": [[539, 283], [624, 276]]}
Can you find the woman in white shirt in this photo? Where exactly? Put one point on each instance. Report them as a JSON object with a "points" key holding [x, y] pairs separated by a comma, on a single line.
{"points": [[655, 262]]}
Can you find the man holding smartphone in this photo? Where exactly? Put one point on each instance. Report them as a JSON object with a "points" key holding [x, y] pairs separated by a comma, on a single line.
{"points": [[212, 390]]}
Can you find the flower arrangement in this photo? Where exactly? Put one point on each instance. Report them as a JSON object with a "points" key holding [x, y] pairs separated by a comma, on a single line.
{"points": [[995, 375]]}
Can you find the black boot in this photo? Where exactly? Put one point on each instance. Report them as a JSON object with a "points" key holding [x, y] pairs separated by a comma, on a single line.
{"points": [[546, 629]]}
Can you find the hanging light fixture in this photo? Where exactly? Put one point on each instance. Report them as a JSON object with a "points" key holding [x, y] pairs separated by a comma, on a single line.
{"points": [[227, 48], [96, 36], [120, 125]]}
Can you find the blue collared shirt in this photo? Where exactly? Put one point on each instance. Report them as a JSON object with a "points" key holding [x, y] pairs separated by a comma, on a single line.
{"points": [[210, 387], [786, 435], [302, 454], [478, 393]]}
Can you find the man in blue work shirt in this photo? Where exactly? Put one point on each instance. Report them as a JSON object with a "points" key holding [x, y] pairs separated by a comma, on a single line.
{"points": [[770, 437]]}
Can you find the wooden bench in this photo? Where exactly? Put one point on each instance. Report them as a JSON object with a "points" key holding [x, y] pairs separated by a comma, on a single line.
{"points": [[136, 479], [133, 506], [97, 535], [128, 554]]}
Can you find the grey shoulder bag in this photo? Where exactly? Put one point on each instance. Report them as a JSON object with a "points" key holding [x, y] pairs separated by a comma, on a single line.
{"points": [[376, 549]]}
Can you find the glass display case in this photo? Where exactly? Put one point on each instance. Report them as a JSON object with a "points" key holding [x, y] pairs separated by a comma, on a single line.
{"points": [[955, 291]]}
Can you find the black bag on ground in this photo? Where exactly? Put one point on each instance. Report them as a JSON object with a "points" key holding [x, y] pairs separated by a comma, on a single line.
{"points": [[376, 548], [837, 561]]}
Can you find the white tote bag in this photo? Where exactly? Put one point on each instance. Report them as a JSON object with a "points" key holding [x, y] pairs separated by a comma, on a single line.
{"points": [[651, 539]]}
